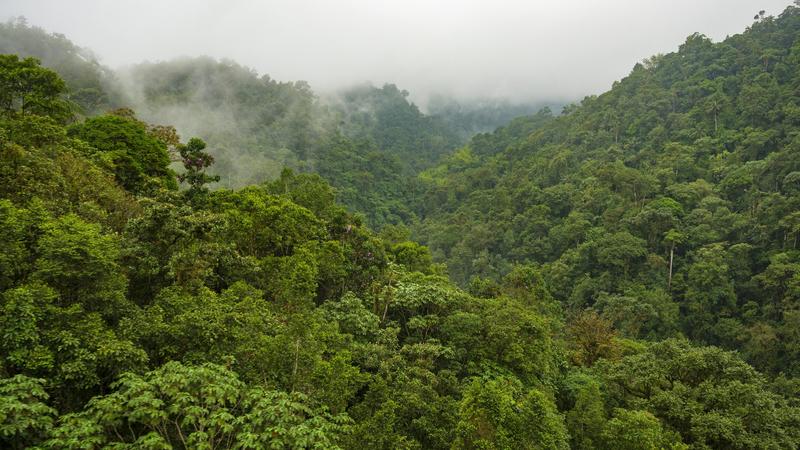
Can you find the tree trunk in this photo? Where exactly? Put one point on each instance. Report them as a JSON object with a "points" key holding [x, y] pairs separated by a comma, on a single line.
{"points": [[671, 255], [715, 119], [296, 358]]}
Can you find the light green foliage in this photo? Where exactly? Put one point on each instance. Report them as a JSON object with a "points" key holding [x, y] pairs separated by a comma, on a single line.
{"points": [[74, 349], [420, 305], [24, 308], [80, 262], [24, 414], [308, 355], [352, 316], [414, 257], [638, 430], [205, 326], [293, 278], [498, 414], [27, 88], [263, 224], [196, 407], [309, 191], [502, 333], [61, 181]]}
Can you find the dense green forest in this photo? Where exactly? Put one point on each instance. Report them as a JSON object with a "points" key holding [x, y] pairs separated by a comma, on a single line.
{"points": [[622, 275], [669, 204]]}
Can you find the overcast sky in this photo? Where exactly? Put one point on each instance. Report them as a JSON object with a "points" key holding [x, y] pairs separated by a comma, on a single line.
{"points": [[522, 50]]}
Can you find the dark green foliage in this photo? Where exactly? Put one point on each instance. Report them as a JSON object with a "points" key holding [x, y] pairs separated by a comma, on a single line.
{"points": [[138, 159], [709, 396], [395, 126], [195, 162]]}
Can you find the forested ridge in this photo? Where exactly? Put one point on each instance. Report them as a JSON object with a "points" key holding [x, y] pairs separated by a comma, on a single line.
{"points": [[668, 204], [622, 275]]}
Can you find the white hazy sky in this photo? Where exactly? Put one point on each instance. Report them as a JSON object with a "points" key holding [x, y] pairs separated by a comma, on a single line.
{"points": [[523, 50]]}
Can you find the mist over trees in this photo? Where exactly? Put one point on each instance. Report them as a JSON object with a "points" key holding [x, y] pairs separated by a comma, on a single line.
{"points": [[194, 255]]}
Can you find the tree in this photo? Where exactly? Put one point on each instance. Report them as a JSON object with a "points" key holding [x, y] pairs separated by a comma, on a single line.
{"points": [[710, 396], [591, 338], [618, 251], [587, 417], [672, 238], [80, 262], [139, 160], [27, 88], [499, 414], [503, 333], [638, 430], [710, 292], [196, 161], [413, 256], [197, 407], [25, 418]]}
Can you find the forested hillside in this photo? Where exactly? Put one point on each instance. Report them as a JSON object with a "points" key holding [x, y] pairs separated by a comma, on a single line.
{"points": [[92, 86], [668, 205], [623, 275], [368, 142]]}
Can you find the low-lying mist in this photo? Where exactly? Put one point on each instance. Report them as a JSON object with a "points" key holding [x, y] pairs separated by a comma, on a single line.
{"points": [[255, 125]]}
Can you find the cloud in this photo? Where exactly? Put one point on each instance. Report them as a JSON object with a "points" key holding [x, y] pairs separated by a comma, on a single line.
{"points": [[520, 50]]}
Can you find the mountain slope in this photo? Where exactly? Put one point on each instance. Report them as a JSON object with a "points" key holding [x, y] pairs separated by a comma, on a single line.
{"points": [[668, 204]]}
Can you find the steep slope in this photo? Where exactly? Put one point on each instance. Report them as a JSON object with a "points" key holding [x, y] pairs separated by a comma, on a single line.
{"points": [[91, 85], [669, 203]]}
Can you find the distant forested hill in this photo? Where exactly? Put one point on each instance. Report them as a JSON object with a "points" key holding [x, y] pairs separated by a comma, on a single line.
{"points": [[91, 86], [368, 142], [668, 204], [481, 115]]}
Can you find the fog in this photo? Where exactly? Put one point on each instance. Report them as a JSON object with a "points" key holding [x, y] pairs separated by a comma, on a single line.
{"points": [[517, 50]]}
